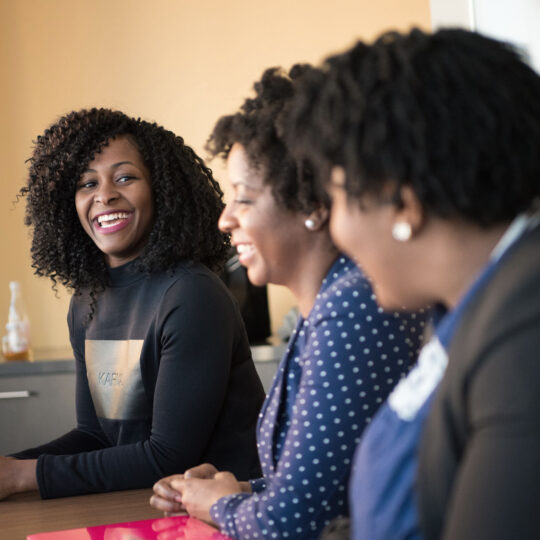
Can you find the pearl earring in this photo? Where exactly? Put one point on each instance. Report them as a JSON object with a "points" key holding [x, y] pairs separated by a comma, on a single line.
{"points": [[401, 231], [310, 224]]}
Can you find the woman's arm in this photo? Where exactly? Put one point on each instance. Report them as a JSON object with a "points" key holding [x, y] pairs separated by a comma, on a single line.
{"points": [[16, 476]]}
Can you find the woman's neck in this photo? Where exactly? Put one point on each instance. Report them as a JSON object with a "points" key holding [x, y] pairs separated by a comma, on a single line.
{"points": [[307, 275], [460, 257]]}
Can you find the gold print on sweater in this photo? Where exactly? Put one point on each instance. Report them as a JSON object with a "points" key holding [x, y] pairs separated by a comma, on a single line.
{"points": [[114, 376]]}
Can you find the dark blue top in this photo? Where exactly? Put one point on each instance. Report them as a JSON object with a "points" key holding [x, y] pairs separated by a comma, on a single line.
{"points": [[340, 364]]}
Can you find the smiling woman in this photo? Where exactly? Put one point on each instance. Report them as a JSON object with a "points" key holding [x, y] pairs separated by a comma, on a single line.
{"points": [[427, 118], [113, 199], [343, 358], [125, 214]]}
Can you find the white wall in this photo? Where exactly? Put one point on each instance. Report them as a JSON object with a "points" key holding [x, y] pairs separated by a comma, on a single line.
{"points": [[517, 21], [452, 13]]}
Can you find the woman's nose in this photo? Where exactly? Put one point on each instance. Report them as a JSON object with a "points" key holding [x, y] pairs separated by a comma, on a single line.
{"points": [[227, 220], [105, 193]]}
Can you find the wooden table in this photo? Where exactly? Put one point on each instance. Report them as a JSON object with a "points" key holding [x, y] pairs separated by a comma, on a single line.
{"points": [[26, 513]]}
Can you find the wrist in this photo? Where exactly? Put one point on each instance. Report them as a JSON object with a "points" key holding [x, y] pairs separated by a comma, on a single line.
{"points": [[246, 487], [24, 478]]}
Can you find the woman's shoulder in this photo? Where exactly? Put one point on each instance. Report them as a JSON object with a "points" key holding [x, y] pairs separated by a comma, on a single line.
{"points": [[510, 301], [344, 292], [196, 281], [80, 299], [194, 273], [347, 294], [346, 281]]}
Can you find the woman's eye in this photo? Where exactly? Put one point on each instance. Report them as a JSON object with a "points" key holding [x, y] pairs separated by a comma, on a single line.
{"points": [[124, 178], [86, 185], [243, 201]]}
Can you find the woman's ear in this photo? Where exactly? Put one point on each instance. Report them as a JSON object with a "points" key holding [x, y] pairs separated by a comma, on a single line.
{"points": [[409, 216], [317, 219]]}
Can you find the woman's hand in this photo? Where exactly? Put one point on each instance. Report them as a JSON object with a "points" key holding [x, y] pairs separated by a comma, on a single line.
{"points": [[199, 494], [167, 499], [206, 470], [17, 475]]}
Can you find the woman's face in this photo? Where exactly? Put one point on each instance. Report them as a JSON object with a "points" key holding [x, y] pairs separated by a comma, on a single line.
{"points": [[266, 236], [114, 201], [365, 233]]}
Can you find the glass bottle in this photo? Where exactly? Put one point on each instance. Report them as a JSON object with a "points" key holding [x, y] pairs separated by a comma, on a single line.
{"points": [[16, 342]]}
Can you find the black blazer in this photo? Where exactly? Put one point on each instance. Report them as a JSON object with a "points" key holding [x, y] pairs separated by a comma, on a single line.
{"points": [[479, 464]]}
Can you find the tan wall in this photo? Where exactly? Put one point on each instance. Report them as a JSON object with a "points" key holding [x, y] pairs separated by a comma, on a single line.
{"points": [[182, 63]]}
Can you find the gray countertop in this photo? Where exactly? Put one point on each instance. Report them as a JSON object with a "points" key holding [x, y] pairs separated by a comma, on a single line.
{"points": [[58, 360], [46, 361]]}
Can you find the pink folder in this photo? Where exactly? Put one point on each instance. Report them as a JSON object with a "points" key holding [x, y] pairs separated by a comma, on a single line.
{"points": [[170, 528]]}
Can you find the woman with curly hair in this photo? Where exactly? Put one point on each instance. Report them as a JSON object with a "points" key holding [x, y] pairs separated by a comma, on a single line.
{"points": [[342, 360], [428, 145], [125, 214]]}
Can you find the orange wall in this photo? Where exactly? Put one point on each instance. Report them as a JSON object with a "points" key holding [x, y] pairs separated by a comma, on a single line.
{"points": [[182, 63]]}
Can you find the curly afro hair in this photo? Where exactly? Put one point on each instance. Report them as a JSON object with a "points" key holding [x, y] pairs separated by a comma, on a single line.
{"points": [[187, 200], [257, 127], [454, 115]]}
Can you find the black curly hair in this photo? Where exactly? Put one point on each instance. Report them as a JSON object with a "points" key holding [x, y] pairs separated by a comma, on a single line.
{"points": [[454, 115], [187, 200], [257, 127]]}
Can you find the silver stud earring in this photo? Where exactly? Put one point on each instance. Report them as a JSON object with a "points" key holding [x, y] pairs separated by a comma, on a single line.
{"points": [[310, 224], [401, 231]]}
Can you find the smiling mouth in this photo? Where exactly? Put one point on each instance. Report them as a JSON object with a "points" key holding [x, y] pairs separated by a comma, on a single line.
{"points": [[245, 252], [244, 249], [112, 222], [107, 221]]}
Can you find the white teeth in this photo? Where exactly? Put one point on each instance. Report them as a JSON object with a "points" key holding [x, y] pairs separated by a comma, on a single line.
{"points": [[108, 225], [106, 219], [244, 248]]}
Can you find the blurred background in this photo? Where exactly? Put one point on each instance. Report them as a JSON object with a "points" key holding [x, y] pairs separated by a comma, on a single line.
{"points": [[181, 63]]}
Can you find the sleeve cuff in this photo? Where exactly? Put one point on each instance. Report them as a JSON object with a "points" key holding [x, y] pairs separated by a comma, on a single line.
{"points": [[258, 485], [222, 511], [40, 477]]}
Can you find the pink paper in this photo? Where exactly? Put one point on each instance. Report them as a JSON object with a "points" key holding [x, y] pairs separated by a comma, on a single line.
{"points": [[170, 528]]}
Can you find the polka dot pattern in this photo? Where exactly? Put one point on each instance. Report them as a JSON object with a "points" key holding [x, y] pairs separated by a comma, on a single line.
{"points": [[340, 364]]}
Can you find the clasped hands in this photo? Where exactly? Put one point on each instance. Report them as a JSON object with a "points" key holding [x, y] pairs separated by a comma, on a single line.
{"points": [[195, 491]]}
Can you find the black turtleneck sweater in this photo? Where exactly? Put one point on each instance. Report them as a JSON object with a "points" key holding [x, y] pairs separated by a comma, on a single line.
{"points": [[165, 381]]}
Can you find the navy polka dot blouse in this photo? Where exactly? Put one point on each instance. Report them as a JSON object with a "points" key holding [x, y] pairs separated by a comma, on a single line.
{"points": [[340, 364]]}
